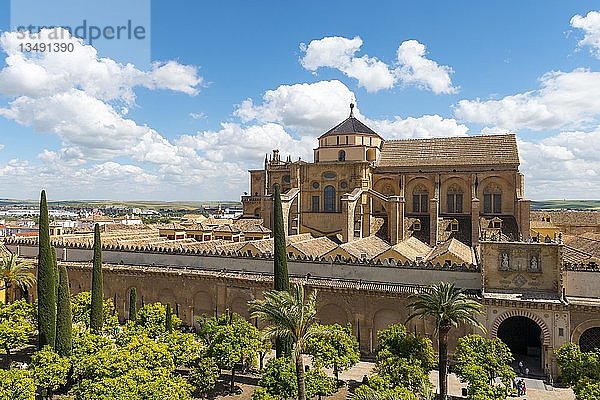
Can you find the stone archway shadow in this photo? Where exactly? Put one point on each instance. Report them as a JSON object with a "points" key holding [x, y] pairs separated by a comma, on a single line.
{"points": [[522, 313]]}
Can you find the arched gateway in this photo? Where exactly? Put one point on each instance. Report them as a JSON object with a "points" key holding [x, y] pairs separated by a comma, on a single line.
{"points": [[526, 335]]}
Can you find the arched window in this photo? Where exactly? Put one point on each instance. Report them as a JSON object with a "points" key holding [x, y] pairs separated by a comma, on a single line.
{"points": [[342, 155], [329, 199], [590, 339], [492, 200], [420, 199], [454, 199]]}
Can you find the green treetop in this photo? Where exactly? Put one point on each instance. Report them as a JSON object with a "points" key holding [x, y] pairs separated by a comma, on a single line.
{"points": [[335, 347]]}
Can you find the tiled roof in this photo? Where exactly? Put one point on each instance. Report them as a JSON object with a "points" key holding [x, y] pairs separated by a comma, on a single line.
{"points": [[172, 225], [455, 247], [412, 248], [572, 255], [350, 125], [226, 228], [463, 234], [235, 246], [508, 231], [245, 223], [264, 246], [588, 243], [452, 151], [537, 224], [370, 245], [256, 229], [570, 217], [217, 221], [315, 247]]}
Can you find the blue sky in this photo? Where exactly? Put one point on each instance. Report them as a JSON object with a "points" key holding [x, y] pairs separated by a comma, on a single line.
{"points": [[234, 79]]}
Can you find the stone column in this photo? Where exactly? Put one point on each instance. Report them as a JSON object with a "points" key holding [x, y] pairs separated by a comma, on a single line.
{"points": [[366, 216], [394, 224], [474, 221], [348, 220], [433, 221], [402, 207], [523, 213], [474, 212], [267, 211]]}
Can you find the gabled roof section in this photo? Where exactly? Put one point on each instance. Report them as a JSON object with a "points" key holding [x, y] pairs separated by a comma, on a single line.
{"points": [[369, 246], [454, 247], [316, 247], [452, 151]]}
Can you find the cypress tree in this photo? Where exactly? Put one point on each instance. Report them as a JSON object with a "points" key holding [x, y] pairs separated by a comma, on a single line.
{"points": [[46, 280], [132, 304], [64, 318], [169, 319], [55, 270], [97, 292], [281, 278], [280, 269]]}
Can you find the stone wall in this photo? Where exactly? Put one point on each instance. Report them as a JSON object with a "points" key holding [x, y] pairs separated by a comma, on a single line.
{"points": [[356, 272], [367, 307], [522, 267]]}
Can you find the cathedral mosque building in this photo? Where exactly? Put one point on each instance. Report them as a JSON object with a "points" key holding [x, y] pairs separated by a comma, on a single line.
{"points": [[371, 222], [360, 184]]}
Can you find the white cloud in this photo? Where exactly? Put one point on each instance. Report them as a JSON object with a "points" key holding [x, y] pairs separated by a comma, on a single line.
{"points": [[198, 115], [564, 100], [312, 109], [307, 108], [590, 24], [339, 53], [412, 68], [1, 146], [80, 120], [34, 75], [70, 94], [425, 126], [247, 144], [75, 97], [565, 165]]}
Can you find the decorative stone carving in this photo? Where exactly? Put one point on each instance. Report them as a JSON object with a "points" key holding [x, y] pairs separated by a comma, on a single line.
{"points": [[504, 262], [534, 264], [519, 280]]}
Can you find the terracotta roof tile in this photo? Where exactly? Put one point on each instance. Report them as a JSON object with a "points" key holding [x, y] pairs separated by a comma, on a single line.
{"points": [[455, 247], [452, 151], [315, 247], [370, 245]]}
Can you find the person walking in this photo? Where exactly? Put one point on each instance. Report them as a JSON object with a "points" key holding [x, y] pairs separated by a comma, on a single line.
{"points": [[527, 372], [520, 367]]}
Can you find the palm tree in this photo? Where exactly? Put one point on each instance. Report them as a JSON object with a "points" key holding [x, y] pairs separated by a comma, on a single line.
{"points": [[449, 307], [290, 317], [13, 273]]}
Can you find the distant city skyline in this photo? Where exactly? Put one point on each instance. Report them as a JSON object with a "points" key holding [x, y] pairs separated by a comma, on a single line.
{"points": [[231, 81]]}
